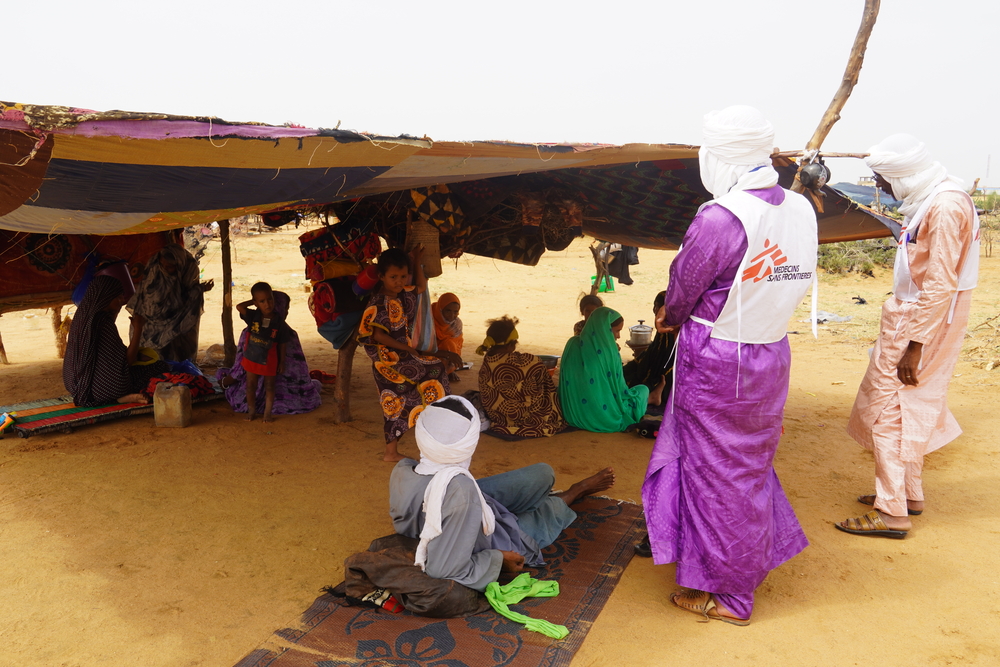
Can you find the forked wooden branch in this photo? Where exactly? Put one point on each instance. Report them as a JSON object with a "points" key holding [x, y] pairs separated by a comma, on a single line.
{"points": [[850, 79], [600, 264]]}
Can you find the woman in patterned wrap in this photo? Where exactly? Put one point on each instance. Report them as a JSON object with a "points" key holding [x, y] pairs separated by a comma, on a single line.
{"points": [[517, 392], [95, 370], [166, 308], [407, 379]]}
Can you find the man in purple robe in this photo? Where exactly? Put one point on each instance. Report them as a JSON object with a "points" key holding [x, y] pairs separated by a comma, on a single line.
{"points": [[713, 502]]}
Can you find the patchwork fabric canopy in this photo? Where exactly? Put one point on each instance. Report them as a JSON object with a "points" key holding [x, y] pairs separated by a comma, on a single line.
{"points": [[73, 171]]}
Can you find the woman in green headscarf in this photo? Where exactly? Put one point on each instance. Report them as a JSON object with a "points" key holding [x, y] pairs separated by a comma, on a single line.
{"points": [[592, 390]]}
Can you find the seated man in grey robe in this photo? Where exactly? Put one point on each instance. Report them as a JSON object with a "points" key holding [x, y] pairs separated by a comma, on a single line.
{"points": [[471, 530]]}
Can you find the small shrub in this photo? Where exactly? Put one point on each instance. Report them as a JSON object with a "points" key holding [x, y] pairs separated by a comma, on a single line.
{"points": [[857, 256]]}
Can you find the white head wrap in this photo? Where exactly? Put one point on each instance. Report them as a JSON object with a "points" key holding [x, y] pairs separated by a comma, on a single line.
{"points": [[736, 153], [447, 441], [904, 162]]}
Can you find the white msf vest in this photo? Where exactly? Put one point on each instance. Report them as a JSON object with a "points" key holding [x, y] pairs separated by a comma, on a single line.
{"points": [[968, 274], [776, 271]]}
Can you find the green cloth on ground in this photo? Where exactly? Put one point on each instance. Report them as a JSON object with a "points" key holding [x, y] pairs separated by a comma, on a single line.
{"points": [[592, 389], [523, 586]]}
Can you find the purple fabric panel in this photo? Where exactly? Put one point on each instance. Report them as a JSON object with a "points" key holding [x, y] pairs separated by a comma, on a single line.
{"points": [[713, 502], [703, 271], [181, 129], [166, 129]]}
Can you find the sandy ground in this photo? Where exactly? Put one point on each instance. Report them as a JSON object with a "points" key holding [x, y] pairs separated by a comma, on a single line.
{"points": [[124, 544]]}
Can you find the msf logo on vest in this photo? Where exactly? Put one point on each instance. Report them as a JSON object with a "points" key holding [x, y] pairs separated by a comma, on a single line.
{"points": [[771, 265], [763, 264]]}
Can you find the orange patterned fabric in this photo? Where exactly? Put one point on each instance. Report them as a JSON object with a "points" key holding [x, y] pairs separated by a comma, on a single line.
{"points": [[405, 382], [449, 334]]}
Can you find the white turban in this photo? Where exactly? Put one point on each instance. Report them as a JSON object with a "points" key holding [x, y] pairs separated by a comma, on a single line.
{"points": [[447, 441], [904, 162], [736, 153]]}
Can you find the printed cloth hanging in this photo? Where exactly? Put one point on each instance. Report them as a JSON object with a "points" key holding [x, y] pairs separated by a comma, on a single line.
{"points": [[348, 242]]}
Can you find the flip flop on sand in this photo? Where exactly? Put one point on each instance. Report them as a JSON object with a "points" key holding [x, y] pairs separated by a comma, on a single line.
{"points": [[869, 524], [702, 603], [325, 378], [870, 500]]}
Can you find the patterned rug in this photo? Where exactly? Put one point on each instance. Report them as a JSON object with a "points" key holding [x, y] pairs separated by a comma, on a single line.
{"points": [[61, 414], [587, 560]]}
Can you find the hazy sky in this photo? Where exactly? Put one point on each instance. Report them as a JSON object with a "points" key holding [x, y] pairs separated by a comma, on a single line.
{"points": [[536, 71]]}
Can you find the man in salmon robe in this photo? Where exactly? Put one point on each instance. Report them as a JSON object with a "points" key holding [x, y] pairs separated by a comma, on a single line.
{"points": [[901, 411]]}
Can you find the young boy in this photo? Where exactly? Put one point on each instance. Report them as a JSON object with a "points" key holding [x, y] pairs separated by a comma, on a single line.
{"points": [[264, 352]]}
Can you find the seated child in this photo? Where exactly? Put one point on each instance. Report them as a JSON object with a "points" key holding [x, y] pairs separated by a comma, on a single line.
{"points": [[588, 304], [264, 353], [448, 328]]}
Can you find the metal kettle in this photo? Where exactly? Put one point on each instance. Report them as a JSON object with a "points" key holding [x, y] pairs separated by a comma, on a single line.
{"points": [[640, 335]]}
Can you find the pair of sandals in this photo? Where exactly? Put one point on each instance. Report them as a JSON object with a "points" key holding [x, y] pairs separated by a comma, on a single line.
{"points": [[871, 523]]}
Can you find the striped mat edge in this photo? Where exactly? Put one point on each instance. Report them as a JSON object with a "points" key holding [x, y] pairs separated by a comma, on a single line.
{"points": [[31, 420]]}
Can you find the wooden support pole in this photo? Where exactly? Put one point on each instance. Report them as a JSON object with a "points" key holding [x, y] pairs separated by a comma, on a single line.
{"points": [[860, 156], [342, 390], [847, 84], [3, 352], [228, 340], [56, 319], [57, 330]]}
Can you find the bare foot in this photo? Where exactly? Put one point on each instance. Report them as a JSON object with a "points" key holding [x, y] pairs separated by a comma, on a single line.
{"points": [[134, 398], [895, 522], [250, 417], [656, 393], [268, 419], [392, 453], [604, 479]]}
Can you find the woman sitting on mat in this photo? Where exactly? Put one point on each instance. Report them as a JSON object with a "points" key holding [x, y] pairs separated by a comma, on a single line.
{"points": [[650, 365], [295, 392], [448, 327], [516, 390], [166, 308], [588, 304], [592, 390], [407, 379], [95, 369]]}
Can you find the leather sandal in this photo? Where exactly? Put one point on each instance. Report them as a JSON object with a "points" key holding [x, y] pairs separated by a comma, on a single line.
{"points": [[870, 524], [688, 600], [644, 549], [870, 501]]}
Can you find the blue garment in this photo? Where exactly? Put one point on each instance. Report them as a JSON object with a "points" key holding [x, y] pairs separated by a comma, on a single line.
{"points": [[525, 492], [339, 330]]}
